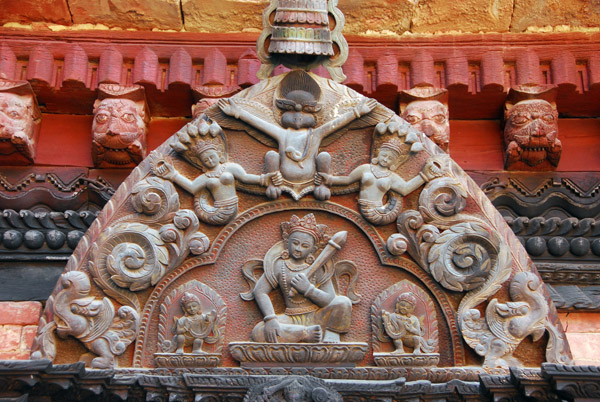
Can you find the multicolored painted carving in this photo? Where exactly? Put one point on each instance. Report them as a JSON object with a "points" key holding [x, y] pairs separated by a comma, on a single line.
{"points": [[119, 127], [419, 268], [20, 120], [531, 128]]}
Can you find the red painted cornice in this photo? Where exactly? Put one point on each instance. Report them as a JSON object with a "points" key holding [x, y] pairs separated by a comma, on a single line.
{"points": [[477, 69]]}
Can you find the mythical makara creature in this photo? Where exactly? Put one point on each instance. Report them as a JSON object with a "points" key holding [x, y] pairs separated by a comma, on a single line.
{"points": [[93, 321]]}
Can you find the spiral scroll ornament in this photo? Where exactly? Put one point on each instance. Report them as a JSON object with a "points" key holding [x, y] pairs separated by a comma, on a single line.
{"points": [[442, 198], [463, 256], [134, 255], [137, 250], [154, 197]]}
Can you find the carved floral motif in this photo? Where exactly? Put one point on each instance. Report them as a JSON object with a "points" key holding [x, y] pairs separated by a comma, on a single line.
{"points": [[137, 251], [119, 126], [19, 122]]}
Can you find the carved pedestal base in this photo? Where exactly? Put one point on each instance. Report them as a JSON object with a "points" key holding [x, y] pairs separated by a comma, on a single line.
{"points": [[406, 359], [298, 354], [187, 359]]}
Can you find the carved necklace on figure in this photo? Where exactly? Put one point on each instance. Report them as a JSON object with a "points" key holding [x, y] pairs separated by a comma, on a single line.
{"points": [[378, 172], [217, 172]]}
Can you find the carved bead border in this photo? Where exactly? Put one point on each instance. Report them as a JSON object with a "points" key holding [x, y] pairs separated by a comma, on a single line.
{"points": [[274, 207]]}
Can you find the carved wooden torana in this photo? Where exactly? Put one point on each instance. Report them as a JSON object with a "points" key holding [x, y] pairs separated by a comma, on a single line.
{"points": [[301, 225]]}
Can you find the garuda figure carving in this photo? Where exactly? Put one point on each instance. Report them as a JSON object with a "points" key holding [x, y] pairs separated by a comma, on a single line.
{"points": [[119, 127], [297, 134], [315, 312], [19, 122], [531, 129]]}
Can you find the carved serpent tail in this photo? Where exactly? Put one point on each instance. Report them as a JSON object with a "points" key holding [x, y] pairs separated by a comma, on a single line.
{"points": [[221, 213], [379, 214]]}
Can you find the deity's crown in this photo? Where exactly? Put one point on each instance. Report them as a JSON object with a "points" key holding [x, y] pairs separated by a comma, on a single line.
{"points": [[407, 297], [202, 146], [189, 297], [393, 145], [308, 224]]}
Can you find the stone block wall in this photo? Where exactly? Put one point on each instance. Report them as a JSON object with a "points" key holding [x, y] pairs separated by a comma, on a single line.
{"points": [[18, 324], [375, 17]]}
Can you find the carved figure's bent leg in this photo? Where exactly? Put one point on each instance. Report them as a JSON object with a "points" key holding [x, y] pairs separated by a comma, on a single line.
{"points": [[379, 214], [272, 161], [106, 358], [221, 213], [335, 317], [322, 192]]}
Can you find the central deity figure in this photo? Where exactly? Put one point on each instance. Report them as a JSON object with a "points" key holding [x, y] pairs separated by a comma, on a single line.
{"points": [[298, 136], [314, 312]]}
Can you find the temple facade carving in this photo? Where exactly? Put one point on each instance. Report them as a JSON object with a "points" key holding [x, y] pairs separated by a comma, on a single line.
{"points": [[299, 227], [119, 126], [531, 128], [20, 122]]}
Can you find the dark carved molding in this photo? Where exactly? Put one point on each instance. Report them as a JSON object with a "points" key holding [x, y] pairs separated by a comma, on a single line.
{"points": [[42, 232], [58, 188], [40, 379]]}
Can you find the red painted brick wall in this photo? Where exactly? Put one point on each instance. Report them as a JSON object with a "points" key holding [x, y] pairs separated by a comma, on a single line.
{"points": [[18, 324], [583, 334]]}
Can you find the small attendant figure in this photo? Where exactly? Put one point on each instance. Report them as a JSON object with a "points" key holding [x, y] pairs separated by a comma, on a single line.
{"points": [[195, 327], [405, 328]]}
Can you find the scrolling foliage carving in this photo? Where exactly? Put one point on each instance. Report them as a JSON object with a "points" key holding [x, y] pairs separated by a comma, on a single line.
{"points": [[467, 252]]}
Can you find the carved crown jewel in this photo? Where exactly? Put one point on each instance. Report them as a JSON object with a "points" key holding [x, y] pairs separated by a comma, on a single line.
{"points": [[308, 224], [189, 298], [407, 297], [202, 146], [393, 145]]}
